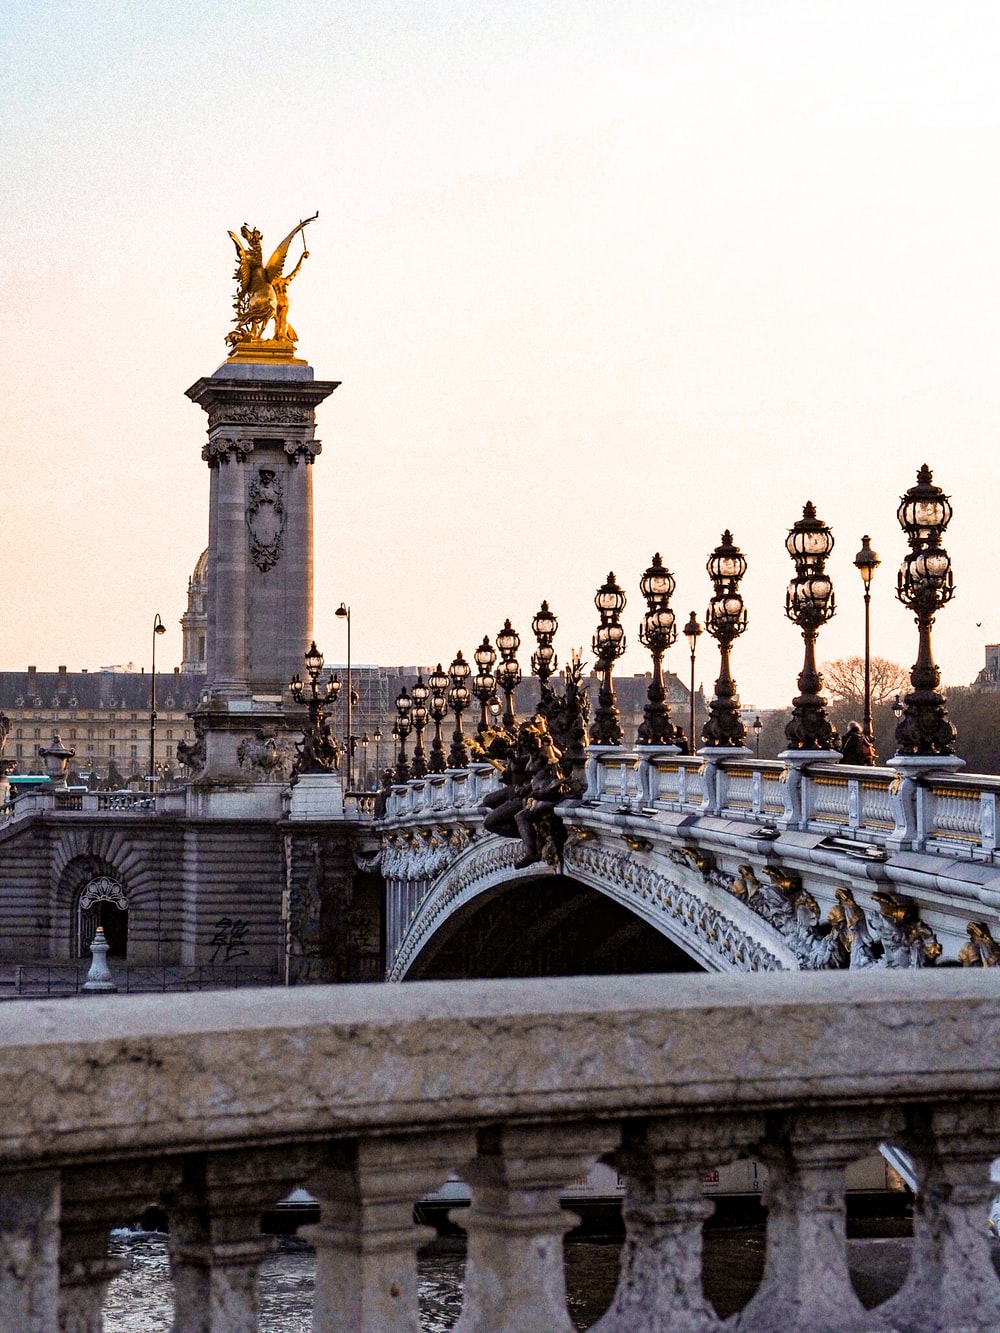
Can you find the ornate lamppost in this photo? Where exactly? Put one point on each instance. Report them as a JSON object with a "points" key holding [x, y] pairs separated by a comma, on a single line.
{"points": [[377, 737], [657, 632], [866, 562], [343, 611], [608, 645], [925, 584], [508, 672], [437, 707], [692, 632], [543, 659], [418, 716], [484, 682], [404, 725], [758, 727], [365, 742], [810, 603], [725, 620], [318, 752], [458, 697]]}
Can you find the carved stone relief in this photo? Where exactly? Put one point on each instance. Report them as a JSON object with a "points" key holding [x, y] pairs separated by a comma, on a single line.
{"points": [[266, 518]]}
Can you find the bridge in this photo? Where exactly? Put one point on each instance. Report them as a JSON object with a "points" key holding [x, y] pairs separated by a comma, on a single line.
{"points": [[741, 865], [671, 863]]}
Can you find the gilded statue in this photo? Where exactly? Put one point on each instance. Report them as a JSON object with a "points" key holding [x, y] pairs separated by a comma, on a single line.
{"points": [[262, 298]]}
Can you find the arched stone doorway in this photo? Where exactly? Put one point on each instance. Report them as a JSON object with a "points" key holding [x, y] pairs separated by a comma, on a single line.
{"points": [[549, 926], [102, 901]]}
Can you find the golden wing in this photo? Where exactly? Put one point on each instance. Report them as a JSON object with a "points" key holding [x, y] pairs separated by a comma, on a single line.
{"points": [[242, 262], [276, 264]]}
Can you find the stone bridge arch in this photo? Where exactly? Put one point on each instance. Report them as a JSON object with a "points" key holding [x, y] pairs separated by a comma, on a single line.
{"points": [[708, 927]]}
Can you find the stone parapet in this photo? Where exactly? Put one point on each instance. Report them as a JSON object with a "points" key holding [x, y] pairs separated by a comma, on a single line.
{"points": [[371, 1095]]}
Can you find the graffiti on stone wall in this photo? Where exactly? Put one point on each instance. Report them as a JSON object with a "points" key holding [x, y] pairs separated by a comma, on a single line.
{"points": [[229, 939]]}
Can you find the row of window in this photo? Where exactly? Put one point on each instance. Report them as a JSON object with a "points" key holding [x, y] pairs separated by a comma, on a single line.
{"points": [[133, 751], [112, 717], [71, 734]]}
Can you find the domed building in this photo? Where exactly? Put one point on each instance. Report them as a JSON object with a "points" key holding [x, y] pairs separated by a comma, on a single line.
{"points": [[194, 621]]}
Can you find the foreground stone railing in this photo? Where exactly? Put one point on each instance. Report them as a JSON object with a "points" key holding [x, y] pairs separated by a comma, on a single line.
{"points": [[369, 1096]]}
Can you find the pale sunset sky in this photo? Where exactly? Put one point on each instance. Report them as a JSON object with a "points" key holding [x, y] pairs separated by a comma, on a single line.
{"points": [[598, 280]]}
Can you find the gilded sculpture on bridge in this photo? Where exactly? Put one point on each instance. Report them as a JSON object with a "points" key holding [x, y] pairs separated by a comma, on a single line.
{"points": [[262, 298]]}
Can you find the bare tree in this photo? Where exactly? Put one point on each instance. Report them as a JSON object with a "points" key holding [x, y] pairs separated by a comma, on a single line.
{"points": [[844, 678]]}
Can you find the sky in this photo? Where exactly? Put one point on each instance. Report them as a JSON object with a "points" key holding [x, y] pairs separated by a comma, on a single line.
{"points": [[597, 281]]}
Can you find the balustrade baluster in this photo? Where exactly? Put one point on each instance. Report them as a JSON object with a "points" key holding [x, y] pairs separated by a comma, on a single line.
{"points": [[514, 1275], [216, 1246], [660, 1286], [29, 1251], [366, 1241], [952, 1286], [95, 1199], [807, 1286]]}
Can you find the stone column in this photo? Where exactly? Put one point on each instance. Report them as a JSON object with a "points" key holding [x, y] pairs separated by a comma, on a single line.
{"points": [[952, 1286], [514, 1276], [29, 1251], [807, 1285], [216, 1245], [366, 1242], [665, 1208]]}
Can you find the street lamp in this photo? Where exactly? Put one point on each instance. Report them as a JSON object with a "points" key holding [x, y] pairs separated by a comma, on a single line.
{"points": [[692, 632], [810, 603], [898, 707], [725, 620], [925, 584], [758, 727], [318, 751], [866, 562], [608, 645], [365, 742], [377, 737], [458, 698], [508, 672], [158, 628], [418, 715], [657, 632], [437, 707], [543, 659], [404, 707], [344, 612], [484, 682]]}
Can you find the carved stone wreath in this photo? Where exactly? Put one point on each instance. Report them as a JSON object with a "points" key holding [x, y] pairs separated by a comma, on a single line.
{"points": [[266, 518]]}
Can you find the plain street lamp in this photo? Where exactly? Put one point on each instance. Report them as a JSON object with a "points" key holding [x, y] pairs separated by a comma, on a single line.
{"points": [[344, 612], [158, 628], [758, 727], [365, 742], [866, 562], [692, 632], [377, 738]]}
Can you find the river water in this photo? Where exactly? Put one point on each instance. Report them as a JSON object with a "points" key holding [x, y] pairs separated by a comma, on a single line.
{"points": [[140, 1300]]}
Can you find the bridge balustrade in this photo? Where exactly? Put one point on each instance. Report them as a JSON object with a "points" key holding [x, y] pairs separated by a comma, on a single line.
{"points": [[218, 1105], [934, 813]]}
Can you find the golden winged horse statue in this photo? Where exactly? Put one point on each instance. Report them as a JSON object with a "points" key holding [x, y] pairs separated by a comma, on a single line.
{"points": [[263, 288]]}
